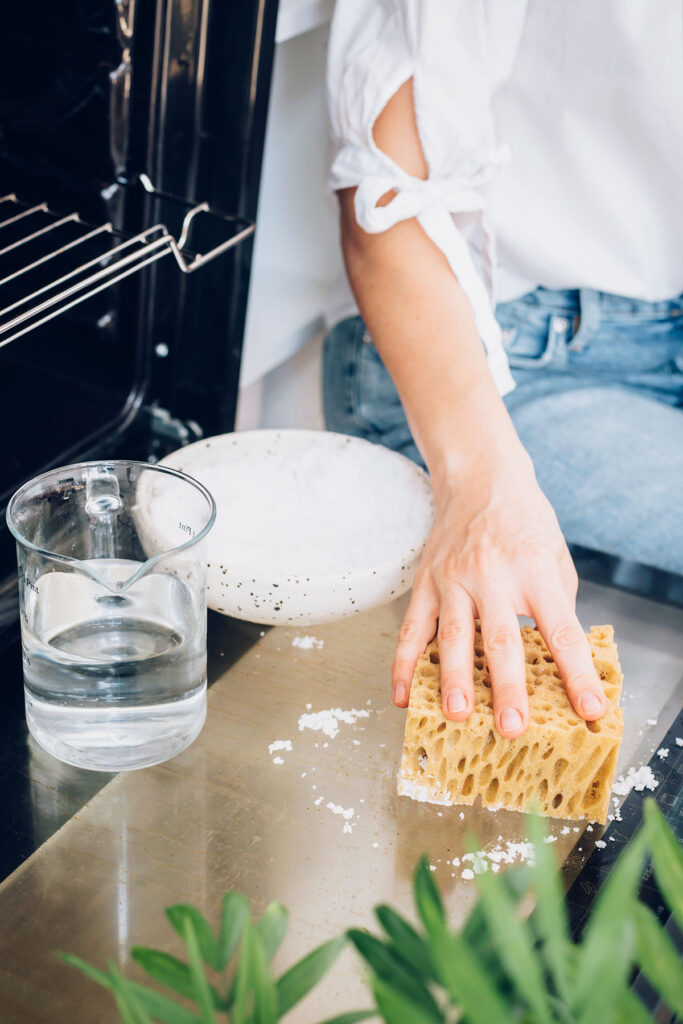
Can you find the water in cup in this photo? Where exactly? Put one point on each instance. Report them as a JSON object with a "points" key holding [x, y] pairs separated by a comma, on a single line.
{"points": [[114, 647]]}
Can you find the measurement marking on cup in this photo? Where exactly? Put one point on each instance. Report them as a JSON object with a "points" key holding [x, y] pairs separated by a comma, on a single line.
{"points": [[28, 582], [186, 529]]}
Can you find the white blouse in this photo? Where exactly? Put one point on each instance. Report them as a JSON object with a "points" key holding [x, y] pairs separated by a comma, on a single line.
{"points": [[553, 134]]}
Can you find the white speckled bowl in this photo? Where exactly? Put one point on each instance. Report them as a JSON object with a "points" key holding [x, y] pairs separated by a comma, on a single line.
{"points": [[311, 526]]}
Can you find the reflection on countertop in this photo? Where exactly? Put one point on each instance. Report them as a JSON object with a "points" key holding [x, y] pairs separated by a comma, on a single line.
{"points": [[319, 826]]}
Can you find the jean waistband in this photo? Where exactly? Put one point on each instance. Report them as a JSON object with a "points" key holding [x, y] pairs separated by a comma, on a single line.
{"points": [[574, 301]]}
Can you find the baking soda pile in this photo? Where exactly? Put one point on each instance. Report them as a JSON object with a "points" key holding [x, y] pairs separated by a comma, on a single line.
{"points": [[635, 778], [346, 813], [324, 489], [279, 745], [490, 859], [327, 721], [308, 643]]}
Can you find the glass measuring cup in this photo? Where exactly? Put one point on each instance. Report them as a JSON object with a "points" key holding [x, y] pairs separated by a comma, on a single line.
{"points": [[112, 589]]}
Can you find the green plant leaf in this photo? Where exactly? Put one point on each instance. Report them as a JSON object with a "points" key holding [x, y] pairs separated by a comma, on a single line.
{"points": [[202, 991], [549, 917], [405, 941], [667, 857], [396, 1008], [468, 982], [352, 1017], [159, 1006], [130, 1010], [265, 995], [295, 983], [610, 934], [608, 989], [630, 1010], [393, 971], [271, 927], [169, 971], [658, 958], [126, 1014], [208, 946], [458, 967], [563, 1014], [94, 973], [254, 999], [477, 936], [427, 896], [514, 945], [166, 969], [234, 913], [243, 983]]}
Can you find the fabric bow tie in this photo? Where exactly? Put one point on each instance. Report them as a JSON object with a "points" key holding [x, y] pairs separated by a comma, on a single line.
{"points": [[458, 191]]}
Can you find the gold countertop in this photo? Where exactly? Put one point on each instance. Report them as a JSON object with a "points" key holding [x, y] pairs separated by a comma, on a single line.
{"points": [[223, 815]]}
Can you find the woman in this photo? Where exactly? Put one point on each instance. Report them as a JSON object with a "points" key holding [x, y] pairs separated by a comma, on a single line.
{"points": [[509, 179]]}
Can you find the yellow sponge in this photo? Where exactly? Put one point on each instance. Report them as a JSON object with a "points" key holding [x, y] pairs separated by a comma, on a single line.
{"points": [[562, 764]]}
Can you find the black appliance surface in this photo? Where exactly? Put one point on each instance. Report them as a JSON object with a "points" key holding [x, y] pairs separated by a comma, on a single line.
{"points": [[38, 794], [93, 94]]}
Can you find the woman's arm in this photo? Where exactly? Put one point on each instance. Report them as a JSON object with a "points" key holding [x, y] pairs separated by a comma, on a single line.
{"points": [[496, 549]]}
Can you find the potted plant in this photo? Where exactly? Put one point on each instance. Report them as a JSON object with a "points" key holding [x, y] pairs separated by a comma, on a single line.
{"points": [[503, 965]]}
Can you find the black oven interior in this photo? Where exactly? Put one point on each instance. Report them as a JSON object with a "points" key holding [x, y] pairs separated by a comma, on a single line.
{"points": [[93, 94]]}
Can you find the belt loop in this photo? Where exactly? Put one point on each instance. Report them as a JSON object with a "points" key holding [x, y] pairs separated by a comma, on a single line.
{"points": [[589, 302], [556, 346]]}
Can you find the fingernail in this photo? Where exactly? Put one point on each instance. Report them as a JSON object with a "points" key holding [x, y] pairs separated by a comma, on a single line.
{"points": [[510, 720], [400, 695], [456, 701], [590, 704]]}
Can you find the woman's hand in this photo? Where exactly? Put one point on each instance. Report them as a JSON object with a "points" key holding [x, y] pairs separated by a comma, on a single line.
{"points": [[496, 552]]}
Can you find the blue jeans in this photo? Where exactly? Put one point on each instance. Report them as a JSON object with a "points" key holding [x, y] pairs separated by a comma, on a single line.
{"points": [[598, 406]]}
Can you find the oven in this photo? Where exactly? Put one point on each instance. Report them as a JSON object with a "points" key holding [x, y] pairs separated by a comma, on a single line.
{"points": [[131, 139]]}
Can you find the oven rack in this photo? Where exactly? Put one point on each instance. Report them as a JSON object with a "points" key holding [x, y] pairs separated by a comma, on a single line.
{"points": [[69, 260]]}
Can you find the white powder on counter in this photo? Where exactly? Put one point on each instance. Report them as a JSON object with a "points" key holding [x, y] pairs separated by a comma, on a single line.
{"points": [[503, 852], [346, 813], [425, 794], [328, 721], [279, 745], [308, 643], [679, 741], [478, 861], [600, 843], [278, 760], [509, 852], [652, 721], [663, 752], [635, 778]]}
